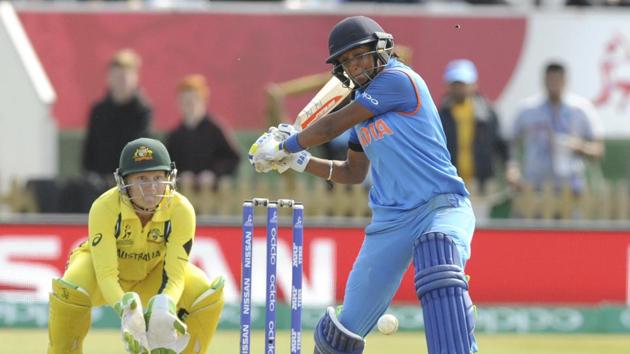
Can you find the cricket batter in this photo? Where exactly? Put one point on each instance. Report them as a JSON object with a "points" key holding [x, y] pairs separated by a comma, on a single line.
{"points": [[420, 207], [136, 257]]}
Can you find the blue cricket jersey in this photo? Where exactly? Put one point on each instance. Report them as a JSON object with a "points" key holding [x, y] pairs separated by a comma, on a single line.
{"points": [[405, 144]]}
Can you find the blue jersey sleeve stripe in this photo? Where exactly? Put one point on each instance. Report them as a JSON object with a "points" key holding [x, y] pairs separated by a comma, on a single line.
{"points": [[417, 92]]}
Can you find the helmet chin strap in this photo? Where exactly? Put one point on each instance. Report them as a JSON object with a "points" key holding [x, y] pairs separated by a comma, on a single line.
{"points": [[148, 211], [126, 197], [369, 74]]}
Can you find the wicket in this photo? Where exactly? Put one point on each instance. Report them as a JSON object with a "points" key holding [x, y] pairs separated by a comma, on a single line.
{"points": [[271, 291]]}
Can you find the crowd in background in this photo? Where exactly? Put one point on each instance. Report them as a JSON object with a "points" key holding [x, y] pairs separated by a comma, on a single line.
{"points": [[203, 149], [555, 133], [199, 145], [555, 137]]}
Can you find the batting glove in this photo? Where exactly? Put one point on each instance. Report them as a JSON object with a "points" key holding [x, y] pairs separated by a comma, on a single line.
{"points": [[166, 333], [283, 131], [265, 153], [261, 166], [133, 327], [296, 161]]}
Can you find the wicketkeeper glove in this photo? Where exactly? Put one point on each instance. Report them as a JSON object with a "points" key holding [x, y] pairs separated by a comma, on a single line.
{"points": [[166, 333], [133, 327]]}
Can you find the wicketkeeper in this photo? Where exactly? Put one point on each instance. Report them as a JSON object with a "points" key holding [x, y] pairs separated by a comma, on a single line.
{"points": [[136, 260]]}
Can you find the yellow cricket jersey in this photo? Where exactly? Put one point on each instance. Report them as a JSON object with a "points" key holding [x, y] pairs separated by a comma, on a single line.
{"points": [[123, 250], [464, 115]]}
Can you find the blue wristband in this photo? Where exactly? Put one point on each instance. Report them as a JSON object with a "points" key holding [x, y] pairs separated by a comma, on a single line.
{"points": [[291, 145]]}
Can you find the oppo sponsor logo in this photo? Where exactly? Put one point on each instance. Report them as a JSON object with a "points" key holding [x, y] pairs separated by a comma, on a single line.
{"points": [[272, 293], [531, 319], [369, 97], [271, 334], [510, 319], [273, 250]]}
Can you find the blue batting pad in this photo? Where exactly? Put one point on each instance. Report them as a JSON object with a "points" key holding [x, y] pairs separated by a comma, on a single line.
{"points": [[442, 287], [331, 337]]}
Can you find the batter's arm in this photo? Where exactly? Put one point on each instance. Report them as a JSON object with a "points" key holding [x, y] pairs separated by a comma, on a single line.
{"points": [[351, 171], [332, 125]]}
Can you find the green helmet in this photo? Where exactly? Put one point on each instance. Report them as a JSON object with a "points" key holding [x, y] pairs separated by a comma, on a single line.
{"points": [[142, 155]]}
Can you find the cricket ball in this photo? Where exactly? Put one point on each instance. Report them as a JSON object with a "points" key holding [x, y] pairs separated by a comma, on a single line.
{"points": [[387, 324]]}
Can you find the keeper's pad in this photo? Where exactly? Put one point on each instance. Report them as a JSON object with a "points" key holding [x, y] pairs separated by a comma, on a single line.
{"points": [[69, 318], [204, 317], [441, 285], [331, 337]]}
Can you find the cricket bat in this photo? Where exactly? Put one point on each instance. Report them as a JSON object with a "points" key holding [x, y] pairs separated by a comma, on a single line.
{"points": [[326, 99]]}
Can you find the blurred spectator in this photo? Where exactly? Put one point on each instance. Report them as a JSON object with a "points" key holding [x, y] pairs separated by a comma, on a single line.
{"points": [[584, 3], [471, 125], [553, 135], [487, 2], [388, 1], [617, 2], [122, 115], [472, 2], [579, 3], [199, 146]]}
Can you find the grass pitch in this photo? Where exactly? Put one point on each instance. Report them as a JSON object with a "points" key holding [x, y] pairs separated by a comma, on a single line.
{"points": [[29, 341]]}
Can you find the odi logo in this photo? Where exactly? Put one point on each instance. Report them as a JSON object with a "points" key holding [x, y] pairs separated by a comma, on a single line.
{"points": [[249, 221], [274, 217], [298, 223]]}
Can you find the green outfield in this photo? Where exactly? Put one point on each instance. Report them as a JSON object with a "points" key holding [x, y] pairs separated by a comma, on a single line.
{"points": [[32, 341]]}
